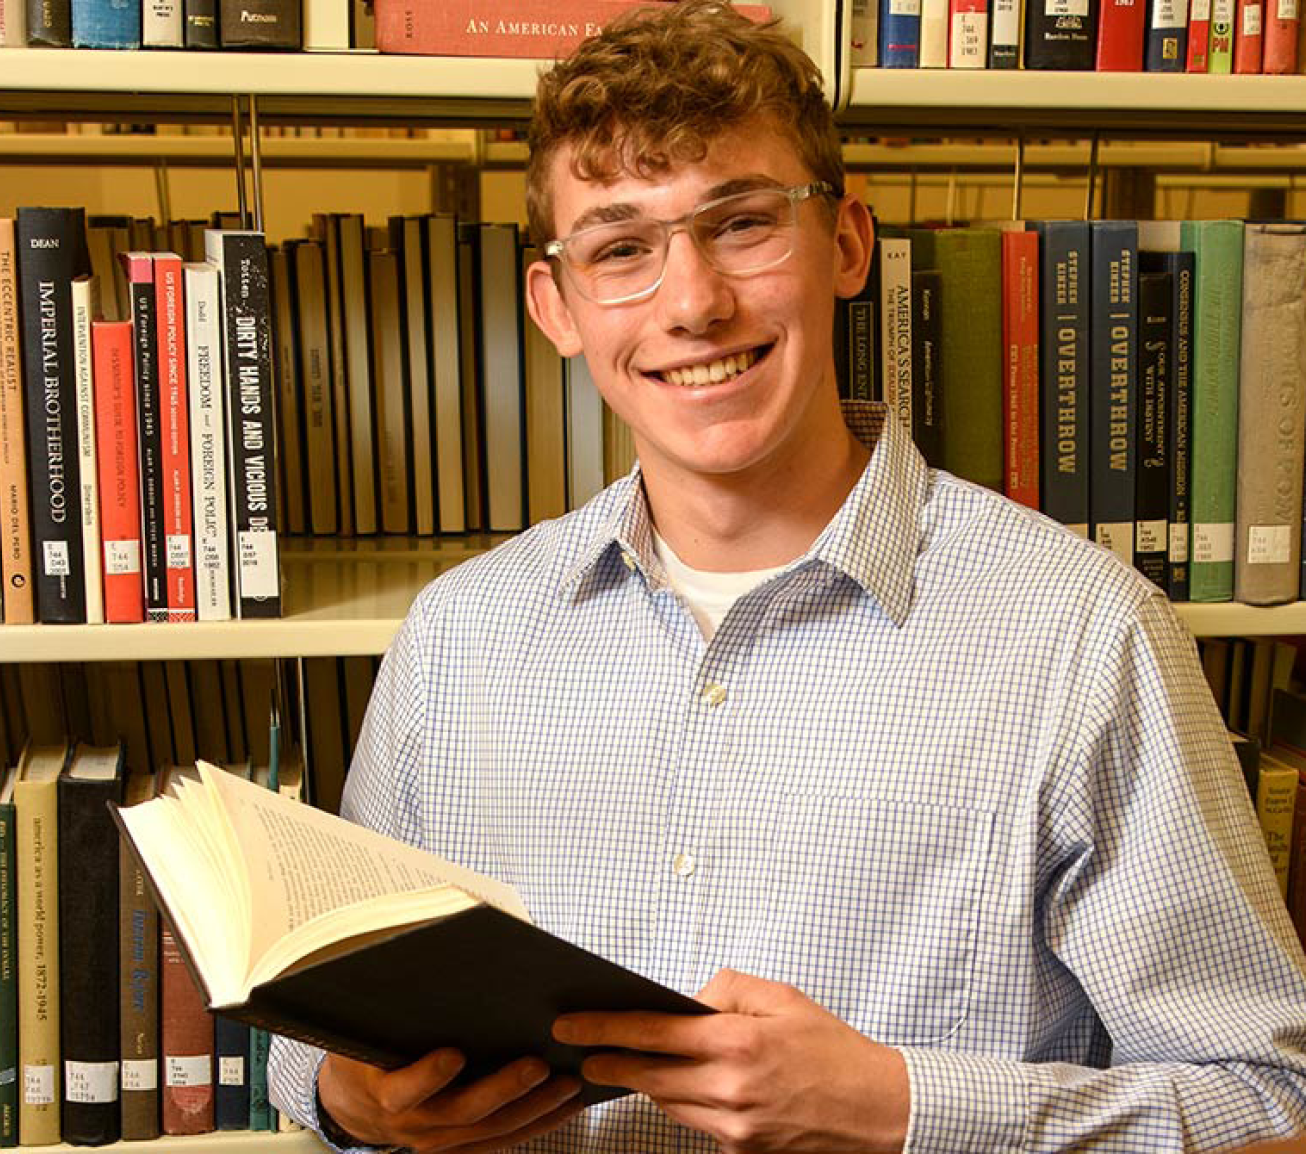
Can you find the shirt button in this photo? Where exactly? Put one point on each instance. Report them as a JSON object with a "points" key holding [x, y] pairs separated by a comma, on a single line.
{"points": [[628, 561], [714, 694], [683, 865]]}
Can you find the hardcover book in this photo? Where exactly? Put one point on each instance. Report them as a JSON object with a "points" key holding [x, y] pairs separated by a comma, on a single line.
{"points": [[1155, 364], [51, 253], [408, 240], [1061, 34], [900, 33], [1282, 29], [50, 23], [387, 917], [267, 24], [390, 378], [161, 27], [968, 33], [306, 258], [88, 476], [445, 328], [106, 24], [138, 978], [291, 474], [200, 23], [358, 359], [1004, 34], [1199, 36], [1220, 52], [1020, 395], [15, 524], [327, 233], [501, 336], [927, 412], [8, 962], [895, 327], [1167, 36], [1120, 36], [1248, 37]]}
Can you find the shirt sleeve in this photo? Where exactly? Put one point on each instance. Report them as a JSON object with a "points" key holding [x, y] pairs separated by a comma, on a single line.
{"points": [[379, 793], [1158, 896]]}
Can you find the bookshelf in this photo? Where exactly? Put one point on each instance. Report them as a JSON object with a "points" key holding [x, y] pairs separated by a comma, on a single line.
{"points": [[230, 1142]]}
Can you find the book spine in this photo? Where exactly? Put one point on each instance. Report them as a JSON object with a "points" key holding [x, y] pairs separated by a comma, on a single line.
{"points": [[1004, 38], [88, 949], [1248, 37], [162, 24], [260, 1108], [50, 23], [186, 1033], [1155, 360], [1020, 289], [895, 326], [471, 359], [442, 248], [1060, 34], [291, 473], [864, 28], [13, 23], [88, 476], [8, 977], [409, 241], [390, 376], [1199, 36], [120, 517], [15, 522], [326, 29], [200, 23], [315, 359], [927, 387], [855, 347], [1113, 334], [232, 1093], [266, 24], [174, 436], [106, 24], [1217, 313], [328, 232], [934, 34], [358, 355], [138, 964], [1179, 413], [501, 377], [1276, 799], [1120, 35], [1063, 342], [251, 445], [1271, 415], [968, 33], [51, 252], [1167, 35], [208, 443], [1282, 29], [1220, 53], [37, 846], [140, 277], [900, 33]]}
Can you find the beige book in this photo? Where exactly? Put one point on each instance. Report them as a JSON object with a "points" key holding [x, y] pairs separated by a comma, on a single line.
{"points": [[389, 389], [618, 447], [15, 524], [546, 420], [36, 814], [1271, 415]]}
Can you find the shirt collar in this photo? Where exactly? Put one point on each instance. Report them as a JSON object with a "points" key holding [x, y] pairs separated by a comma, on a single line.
{"points": [[873, 539]]}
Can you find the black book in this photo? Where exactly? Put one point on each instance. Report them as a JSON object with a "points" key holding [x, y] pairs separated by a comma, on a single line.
{"points": [[861, 315], [1061, 36], [1152, 429], [927, 414], [272, 24], [242, 260], [200, 23], [50, 23], [52, 252], [88, 945], [383, 979]]}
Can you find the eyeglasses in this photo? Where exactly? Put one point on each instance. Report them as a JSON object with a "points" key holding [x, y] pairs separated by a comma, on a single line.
{"points": [[625, 260]]}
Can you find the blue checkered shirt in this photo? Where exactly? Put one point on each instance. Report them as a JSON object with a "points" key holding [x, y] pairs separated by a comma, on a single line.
{"points": [[954, 773]]}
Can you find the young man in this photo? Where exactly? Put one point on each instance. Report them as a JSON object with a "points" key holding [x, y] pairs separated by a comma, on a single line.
{"points": [[925, 795]]}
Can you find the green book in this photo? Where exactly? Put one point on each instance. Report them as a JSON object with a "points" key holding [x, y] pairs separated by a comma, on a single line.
{"points": [[8, 967], [970, 270], [1217, 246], [260, 1109]]}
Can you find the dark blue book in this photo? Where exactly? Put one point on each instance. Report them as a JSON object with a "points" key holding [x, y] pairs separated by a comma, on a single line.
{"points": [[1063, 370], [231, 1052], [106, 23], [1166, 44], [900, 33], [1152, 429], [1113, 385]]}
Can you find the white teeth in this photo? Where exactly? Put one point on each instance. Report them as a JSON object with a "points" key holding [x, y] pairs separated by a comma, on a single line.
{"points": [[695, 376]]}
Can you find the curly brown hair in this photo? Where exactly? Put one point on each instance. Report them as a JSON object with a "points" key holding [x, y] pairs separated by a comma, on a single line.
{"points": [[659, 84]]}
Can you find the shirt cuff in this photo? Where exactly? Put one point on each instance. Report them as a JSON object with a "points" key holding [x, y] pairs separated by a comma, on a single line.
{"points": [[965, 1102]]}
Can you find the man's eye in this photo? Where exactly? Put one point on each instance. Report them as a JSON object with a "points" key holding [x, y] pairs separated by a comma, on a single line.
{"points": [[744, 224], [620, 251]]}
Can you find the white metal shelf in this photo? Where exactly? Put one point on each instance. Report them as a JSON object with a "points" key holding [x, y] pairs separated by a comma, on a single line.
{"points": [[217, 1142]]}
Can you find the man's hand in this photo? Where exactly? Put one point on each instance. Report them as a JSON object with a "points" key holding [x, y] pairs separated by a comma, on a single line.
{"points": [[772, 1071], [417, 1107]]}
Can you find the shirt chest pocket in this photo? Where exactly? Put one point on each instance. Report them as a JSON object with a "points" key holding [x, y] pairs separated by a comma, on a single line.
{"points": [[874, 908]]}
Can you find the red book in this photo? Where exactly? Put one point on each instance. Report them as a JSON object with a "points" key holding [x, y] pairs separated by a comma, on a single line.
{"points": [[1247, 37], [174, 435], [1121, 29], [1282, 26], [968, 33], [531, 28], [1020, 399], [186, 1035], [1199, 36], [119, 477]]}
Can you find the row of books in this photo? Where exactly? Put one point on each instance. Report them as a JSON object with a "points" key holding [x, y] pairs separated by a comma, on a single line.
{"points": [[104, 1033], [196, 24], [1139, 381], [144, 488], [1217, 36]]}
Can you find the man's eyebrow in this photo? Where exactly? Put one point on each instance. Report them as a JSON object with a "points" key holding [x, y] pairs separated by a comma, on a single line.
{"points": [[623, 210]]}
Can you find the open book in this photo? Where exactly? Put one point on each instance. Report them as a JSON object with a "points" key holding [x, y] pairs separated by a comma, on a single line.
{"points": [[303, 923]]}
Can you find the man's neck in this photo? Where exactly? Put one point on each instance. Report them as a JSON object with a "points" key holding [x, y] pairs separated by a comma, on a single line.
{"points": [[734, 524]]}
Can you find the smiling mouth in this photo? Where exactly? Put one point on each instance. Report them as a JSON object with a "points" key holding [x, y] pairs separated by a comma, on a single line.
{"points": [[713, 372]]}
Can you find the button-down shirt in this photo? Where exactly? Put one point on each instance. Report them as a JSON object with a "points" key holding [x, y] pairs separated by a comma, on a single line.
{"points": [[955, 773]]}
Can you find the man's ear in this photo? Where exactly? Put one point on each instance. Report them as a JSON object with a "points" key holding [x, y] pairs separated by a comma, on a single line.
{"points": [[549, 310], [854, 238]]}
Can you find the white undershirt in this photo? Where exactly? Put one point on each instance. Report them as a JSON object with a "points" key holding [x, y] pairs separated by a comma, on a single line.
{"points": [[708, 595]]}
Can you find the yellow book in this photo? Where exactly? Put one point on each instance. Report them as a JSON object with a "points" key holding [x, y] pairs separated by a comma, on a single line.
{"points": [[1276, 798]]}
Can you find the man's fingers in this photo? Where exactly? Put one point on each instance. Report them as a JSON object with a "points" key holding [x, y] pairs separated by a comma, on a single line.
{"points": [[465, 1106], [681, 1034], [506, 1125], [533, 1129], [398, 1091]]}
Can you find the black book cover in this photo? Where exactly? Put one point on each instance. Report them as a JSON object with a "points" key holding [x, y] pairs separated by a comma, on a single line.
{"points": [[242, 258], [272, 24], [927, 414], [149, 432], [88, 949], [231, 1079], [861, 321], [52, 251], [1152, 494], [50, 23], [1061, 34], [200, 23]]}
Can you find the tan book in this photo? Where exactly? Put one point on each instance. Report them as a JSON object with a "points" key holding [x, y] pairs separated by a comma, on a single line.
{"points": [[1271, 414], [546, 442], [36, 811], [618, 447], [138, 967], [389, 388], [15, 525]]}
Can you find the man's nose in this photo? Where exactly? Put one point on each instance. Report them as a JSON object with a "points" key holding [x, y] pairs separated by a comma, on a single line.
{"points": [[693, 295]]}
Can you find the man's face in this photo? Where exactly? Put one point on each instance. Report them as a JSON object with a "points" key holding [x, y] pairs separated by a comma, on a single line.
{"points": [[776, 323]]}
